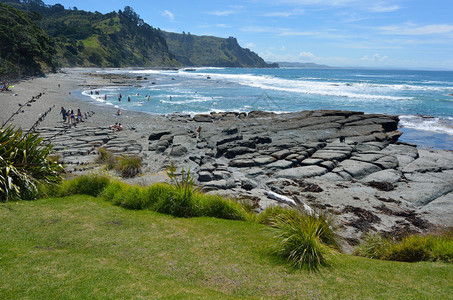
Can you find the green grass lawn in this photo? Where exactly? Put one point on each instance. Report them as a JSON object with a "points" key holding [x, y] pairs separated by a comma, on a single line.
{"points": [[83, 247]]}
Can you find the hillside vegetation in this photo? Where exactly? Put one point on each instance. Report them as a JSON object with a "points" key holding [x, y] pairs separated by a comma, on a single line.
{"points": [[123, 39], [25, 49], [87, 39], [194, 50]]}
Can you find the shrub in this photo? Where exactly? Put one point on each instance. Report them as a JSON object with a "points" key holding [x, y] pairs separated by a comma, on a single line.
{"points": [[24, 165], [219, 207], [106, 157], [92, 184], [267, 217], [178, 204], [300, 239], [412, 248], [374, 246], [112, 189], [131, 197], [129, 166], [180, 201], [156, 193]]}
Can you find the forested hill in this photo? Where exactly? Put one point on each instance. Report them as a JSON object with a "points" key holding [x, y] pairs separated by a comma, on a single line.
{"points": [[193, 50], [123, 39], [25, 49], [87, 39]]}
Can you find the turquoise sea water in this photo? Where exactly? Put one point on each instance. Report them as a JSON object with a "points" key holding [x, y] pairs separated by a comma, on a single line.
{"points": [[422, 99]]}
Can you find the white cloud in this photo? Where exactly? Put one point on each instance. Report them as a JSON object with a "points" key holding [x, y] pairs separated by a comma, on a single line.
{"points": [[297, 33], [374, 58], [168, 15], [294, 12], [222, 13], [233, 9], [307, 55], [283, 48], [413, 29], [250, 45], [381, 8]]}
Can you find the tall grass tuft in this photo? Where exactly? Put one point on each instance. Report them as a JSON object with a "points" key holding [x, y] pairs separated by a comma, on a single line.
{"points": [[412, 248], [129, 166], [113, 188], [92, 184], [219, 207], [106, 157], [267, 217], [180, 202], [301, 239], [131, 197], [374, 246]]}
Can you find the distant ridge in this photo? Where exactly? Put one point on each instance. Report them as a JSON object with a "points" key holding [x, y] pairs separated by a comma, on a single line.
{"points": [[193, 50], [303, 65]]}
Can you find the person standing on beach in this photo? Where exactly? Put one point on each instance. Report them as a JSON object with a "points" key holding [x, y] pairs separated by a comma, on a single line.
{"points": [[64, 114], [72, 116], [79, 115]]}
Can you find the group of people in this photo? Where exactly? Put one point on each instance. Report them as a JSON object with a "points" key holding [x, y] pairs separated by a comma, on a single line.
{"points": [[70, 116], [116, 127]]}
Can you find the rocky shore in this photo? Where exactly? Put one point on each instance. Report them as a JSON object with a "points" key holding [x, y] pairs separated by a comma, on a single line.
{"points": [[348, 163]]}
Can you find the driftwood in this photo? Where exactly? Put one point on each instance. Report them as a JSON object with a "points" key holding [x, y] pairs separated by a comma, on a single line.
{"points": [[289, 201]]}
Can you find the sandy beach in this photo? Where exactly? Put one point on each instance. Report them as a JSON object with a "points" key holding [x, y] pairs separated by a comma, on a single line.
{"points": [[57, 92], [349, 163]]}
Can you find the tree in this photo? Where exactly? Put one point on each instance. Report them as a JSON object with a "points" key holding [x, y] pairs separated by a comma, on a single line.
{"points": [[9, 74]]}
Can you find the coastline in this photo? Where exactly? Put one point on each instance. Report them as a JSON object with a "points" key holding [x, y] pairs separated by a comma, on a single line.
{"points": [[421, 179]]}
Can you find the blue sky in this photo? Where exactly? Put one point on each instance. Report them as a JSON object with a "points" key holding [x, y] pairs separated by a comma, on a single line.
{"points": [[415, 34]]}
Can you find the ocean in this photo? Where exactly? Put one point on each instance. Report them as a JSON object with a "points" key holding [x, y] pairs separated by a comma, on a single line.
{"points": [[422, 99]]}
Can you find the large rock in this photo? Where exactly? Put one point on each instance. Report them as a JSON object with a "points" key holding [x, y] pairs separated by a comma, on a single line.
{"points": [[301, 172], [242, 163], [178, 150], [357, 169], [280, 164], [390, 176], [233, 152], [202, 118], [264, 160], [157, 135], [330, 155], [281, 154]]}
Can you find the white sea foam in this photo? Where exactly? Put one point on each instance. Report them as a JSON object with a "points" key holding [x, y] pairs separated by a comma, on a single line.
{"points": [[439, 125]]}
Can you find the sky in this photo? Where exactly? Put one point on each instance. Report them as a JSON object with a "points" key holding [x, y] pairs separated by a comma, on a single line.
{"points": [[410, 34]]}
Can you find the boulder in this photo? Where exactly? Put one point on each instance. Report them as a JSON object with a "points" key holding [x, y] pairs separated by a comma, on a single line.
{"points": [[233, 152], [204, 176], [390, 176], [242, 163], [281, 154], [157, 135], [248, 184], [264, 160], [330, 155], [301, 172], [202, 118], [279, 164], [178, 150], [358, 169]]}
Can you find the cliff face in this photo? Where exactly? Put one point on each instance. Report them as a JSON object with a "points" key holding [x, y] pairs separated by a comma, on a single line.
{"points": [[192, 50]]}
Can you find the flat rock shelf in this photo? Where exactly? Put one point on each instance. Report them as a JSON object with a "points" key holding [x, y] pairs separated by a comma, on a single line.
{"points": [[348, 163]]}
